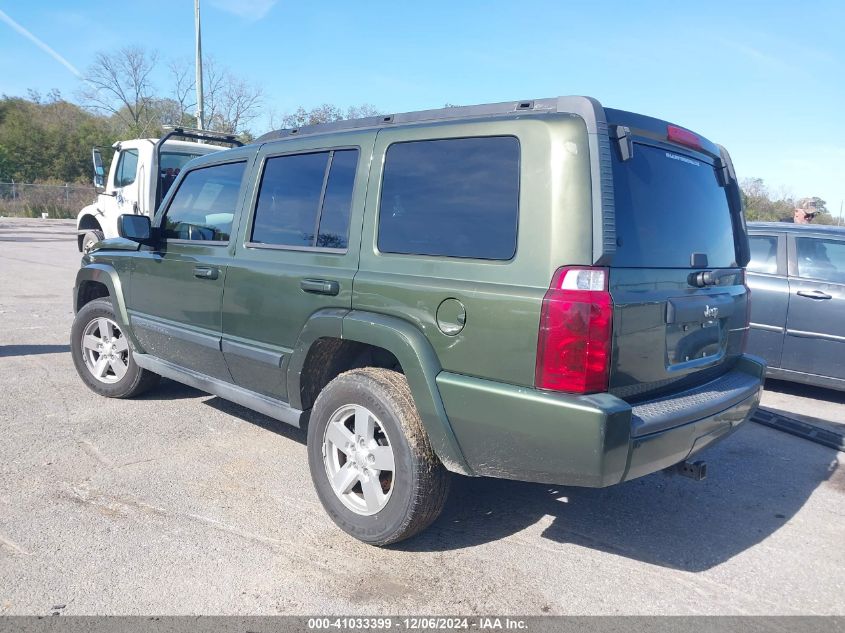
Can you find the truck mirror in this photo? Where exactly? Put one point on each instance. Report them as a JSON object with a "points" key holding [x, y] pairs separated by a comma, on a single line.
{"points": [[135, 227], [99, 171]]}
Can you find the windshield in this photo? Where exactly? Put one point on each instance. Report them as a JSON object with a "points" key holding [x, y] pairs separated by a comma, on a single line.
{"points": [[669, 206], [171, 163], [176, 160]]}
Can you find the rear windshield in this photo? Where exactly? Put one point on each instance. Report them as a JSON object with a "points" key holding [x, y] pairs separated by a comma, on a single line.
{"points": [[669, 206], [175, 160]]}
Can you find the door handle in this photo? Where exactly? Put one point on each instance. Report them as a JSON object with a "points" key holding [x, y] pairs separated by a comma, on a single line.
{"points": [[320, 286], [813, 294], [206, 272]]}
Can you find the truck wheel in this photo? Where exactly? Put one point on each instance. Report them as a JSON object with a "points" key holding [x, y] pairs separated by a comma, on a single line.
{"points": [[371, 459], [103, 355], [91, 238]]}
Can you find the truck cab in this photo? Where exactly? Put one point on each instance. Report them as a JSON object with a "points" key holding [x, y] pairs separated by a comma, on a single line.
{"points": [[141, 172]]}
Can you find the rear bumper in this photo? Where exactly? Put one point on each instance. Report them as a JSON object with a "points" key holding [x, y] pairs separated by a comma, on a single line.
{"points": [[597, 440]]}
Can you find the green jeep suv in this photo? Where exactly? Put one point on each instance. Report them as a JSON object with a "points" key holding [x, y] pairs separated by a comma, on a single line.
{"points": [[545, 290]]}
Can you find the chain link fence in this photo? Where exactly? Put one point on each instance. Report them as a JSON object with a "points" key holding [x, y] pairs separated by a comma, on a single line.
{"points": [[25, 200]]}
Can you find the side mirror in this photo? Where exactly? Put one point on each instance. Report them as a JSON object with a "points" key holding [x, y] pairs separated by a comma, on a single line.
{"points": [[99, 170], [135, 227]]}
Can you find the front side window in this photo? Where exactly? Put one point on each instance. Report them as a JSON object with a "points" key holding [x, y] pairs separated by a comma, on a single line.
{"points": [[764, 254], [304, 200], [127, 167], [204, 206], [451, 197], [821, 259]]}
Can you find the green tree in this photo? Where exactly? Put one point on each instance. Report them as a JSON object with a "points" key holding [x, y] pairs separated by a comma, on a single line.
{"points": [[326, 113], [52, 140], [761, 205]]}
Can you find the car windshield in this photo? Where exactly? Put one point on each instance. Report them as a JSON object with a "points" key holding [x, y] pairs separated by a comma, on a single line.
{"points": [[170, 164]]}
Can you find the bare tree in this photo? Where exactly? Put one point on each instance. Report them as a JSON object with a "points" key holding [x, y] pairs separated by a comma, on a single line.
{"points": [[362, 111], [119, 84], [231, 103], [240, 105], [274, 119], [182, 84], [213, 86], [53, 96], [297, 118], [326, 113], [164, 112]]}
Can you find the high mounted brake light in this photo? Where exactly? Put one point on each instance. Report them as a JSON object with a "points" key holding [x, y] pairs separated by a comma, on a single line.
{"points": [[683, 137], [573, 346]]}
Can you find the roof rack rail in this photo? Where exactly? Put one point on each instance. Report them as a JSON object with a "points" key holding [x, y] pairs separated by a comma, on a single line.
{"points": [[188, 132], [525, 106], [203, 135]]}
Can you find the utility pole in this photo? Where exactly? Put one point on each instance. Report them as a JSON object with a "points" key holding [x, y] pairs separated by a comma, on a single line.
{"points": [[200, 114]]}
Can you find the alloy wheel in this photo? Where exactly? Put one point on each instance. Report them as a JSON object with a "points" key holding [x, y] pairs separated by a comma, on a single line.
{"points": [[359, 459], [105, 350]]}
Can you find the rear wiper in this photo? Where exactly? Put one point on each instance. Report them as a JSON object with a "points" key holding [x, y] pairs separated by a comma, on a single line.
{"points": [[624, 141], [708, 277]]}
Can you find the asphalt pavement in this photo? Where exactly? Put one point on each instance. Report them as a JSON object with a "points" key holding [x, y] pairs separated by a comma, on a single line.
{"points": [[181, 503]]}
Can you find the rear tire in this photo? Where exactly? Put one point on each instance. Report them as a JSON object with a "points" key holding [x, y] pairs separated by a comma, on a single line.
{"points": [[91, 238], [371, 460], [102, 353]]}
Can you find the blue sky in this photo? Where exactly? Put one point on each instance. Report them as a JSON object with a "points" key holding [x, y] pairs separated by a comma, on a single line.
{"points": [[765, 79]]}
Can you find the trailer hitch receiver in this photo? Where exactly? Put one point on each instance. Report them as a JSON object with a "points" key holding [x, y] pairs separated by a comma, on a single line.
{"points": [[693, 470]]}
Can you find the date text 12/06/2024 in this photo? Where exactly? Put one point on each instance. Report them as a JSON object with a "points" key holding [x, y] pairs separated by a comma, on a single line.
{"points": [[488, 623]]}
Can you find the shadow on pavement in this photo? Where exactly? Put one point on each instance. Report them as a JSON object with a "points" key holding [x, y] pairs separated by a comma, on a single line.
{"points": [[65, 238], [812, 405], [758, 479], [258, 419], [805, 391], [31, 350], [171, 390], [752, 491]]}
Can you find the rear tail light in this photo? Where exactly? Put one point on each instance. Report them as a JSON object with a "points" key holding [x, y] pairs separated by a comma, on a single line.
{"points": [[573, 347], [683, 137]]}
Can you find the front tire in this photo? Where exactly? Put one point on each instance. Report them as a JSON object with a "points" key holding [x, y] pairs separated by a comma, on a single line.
{"points": [[371, 460], [91, 238], [102, 353]]}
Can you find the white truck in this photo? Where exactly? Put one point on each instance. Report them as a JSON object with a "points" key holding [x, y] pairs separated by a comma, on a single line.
{"points": [[130, 188]]}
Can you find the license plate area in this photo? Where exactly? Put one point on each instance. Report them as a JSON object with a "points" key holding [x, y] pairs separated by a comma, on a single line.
{"points": [[696, 331]]}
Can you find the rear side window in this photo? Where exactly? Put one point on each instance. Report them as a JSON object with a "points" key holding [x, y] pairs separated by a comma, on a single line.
{"points": [[334, 220], [451, 197], [821, 259], [304, 200], [764, 254], [127, 167], [203, 207], [669, 206]]}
